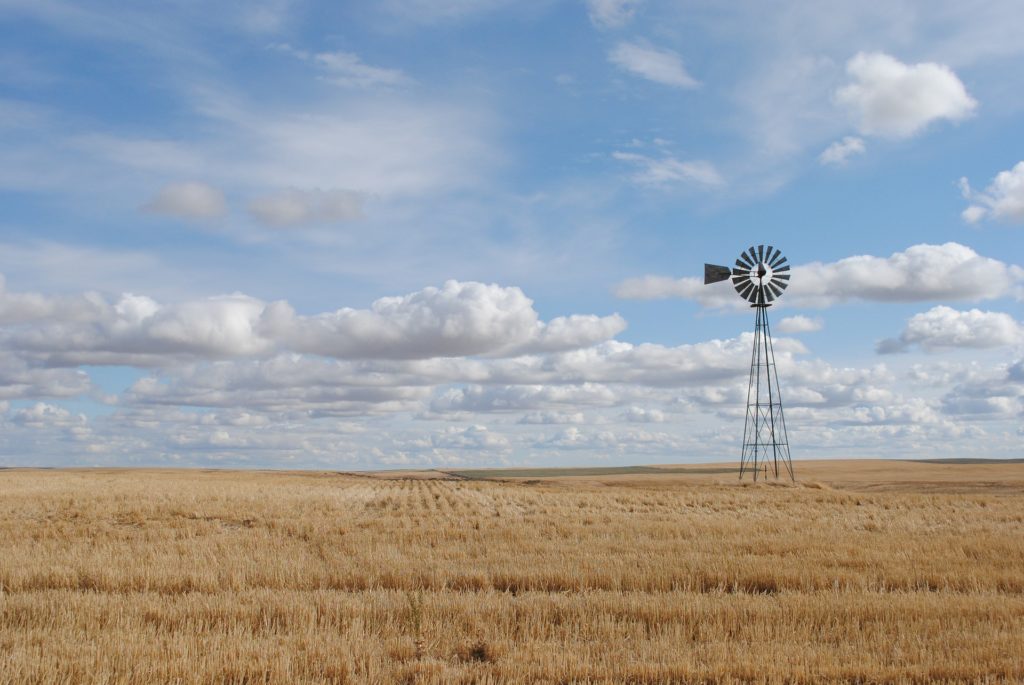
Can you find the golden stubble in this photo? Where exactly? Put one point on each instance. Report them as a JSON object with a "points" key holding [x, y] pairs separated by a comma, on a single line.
{"points": [[243, 577]]}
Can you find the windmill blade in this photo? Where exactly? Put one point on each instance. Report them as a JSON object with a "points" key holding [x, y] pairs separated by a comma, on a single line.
{"points": [[714, 273], [753, 255], [776, 290], [744, 289], [737, 281], [741, 271], [781, 277], [745, 261], [782, 285], [778, 261], [780, 269], [768, 255], [760, 253], [756, 295], [769, 296]]}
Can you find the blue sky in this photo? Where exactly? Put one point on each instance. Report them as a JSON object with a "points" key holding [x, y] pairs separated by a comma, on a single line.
{"points": [[436, 233]]}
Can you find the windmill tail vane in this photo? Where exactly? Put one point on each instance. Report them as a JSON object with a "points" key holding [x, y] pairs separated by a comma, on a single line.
{"points": [[760, 277]]}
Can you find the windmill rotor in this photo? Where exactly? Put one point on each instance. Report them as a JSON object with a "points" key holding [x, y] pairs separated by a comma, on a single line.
{"points": [[760, 275]]}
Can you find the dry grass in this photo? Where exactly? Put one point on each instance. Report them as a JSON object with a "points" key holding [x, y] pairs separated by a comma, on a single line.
{"points": [[197, 577]]}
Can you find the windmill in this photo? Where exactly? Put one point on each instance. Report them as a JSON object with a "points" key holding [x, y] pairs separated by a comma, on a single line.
{"points": [[759, 277]]}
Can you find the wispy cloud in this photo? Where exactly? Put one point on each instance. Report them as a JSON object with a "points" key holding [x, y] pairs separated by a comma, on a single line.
{"points": [[293, 207], [189, 199], [348, 69], [840, 151], [657, 65], [667, 171], [611, 14]]}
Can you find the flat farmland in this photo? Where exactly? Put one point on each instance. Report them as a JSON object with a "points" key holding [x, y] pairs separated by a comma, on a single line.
{"points": [[862, 572]]}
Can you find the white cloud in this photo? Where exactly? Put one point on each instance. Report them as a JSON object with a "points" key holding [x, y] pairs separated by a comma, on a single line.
{"points": [[987, 393], [948, 272], [661, 66], [457, 319], [611, 14], [43, 415], [947, 328], [574, 332], [896, 100], [1003, 199], [606, 375], [190, 199], [800, 324], [518, 398], [668, 170], [840, 151], [470, 437], [292, 385], [643, 415], [548, 418], [136, 330], [293, 207], [21, 380]]}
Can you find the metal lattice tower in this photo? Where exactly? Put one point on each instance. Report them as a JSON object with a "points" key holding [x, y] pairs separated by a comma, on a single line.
{"points": [[759, 277]]}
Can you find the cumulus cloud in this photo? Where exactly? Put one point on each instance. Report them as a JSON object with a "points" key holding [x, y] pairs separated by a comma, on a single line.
{"points": [[293, 207], [666, 171], [661, 66], [611, 13], [1003, 199], [292, 385], [44, 415], [948, 272], [517, 398], [551, 418], [951, 272], [800, 324], [895, 100], [643, 415], [606, 375], [840, 151], [21, 380], [457, 319], [987, 393], [947, 328], [190, 200], [136, 330]]}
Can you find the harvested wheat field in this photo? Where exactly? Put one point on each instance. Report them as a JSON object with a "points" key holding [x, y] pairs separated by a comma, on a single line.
{"points": [[145, 576]]}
